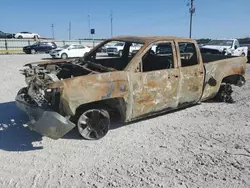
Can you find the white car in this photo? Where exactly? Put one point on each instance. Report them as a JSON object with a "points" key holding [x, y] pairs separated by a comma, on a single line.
{"points": [[68, 51], [116, 50], [23, 35], [225, 46]]}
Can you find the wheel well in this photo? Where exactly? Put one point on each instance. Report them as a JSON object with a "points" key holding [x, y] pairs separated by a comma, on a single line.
{"points": [[234, 79], [64, 53], [115, 106]]}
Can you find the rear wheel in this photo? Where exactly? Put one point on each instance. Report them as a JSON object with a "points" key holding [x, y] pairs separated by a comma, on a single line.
{"points": [[94, 124], [224, 94], [64, 56], [20, 37]]}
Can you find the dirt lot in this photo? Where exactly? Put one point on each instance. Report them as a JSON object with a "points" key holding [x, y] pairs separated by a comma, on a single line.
{"points": [[207, 145]]}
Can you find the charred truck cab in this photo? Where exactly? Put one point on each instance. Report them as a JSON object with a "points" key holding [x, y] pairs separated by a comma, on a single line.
{"points": [[87, 92]]}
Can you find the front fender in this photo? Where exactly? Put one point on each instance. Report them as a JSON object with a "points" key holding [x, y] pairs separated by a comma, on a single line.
{"points": [[86, 89]]}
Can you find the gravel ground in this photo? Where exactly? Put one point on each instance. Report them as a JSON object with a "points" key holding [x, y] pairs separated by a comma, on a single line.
{"points": [[207, 145]]}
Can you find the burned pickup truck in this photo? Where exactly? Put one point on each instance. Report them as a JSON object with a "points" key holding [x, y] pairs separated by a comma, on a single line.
{"points": [[88, 92]]}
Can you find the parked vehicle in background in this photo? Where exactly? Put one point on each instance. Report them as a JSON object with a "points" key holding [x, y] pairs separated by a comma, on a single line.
{"points": [[68, 51], [248, 46], [116, 50], [26, 35], [4, 35], [88, 92], [39, 47], [225, 46]]}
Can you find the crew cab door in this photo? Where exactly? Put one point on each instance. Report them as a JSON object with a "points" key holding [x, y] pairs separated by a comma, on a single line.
{"points": [[237, 51], [42, 47], [191, 73], [155, 88]]}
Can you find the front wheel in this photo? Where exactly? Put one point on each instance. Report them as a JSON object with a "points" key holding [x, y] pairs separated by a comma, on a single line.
{"points": [[64, 56], [20, 37], [94, 124]]}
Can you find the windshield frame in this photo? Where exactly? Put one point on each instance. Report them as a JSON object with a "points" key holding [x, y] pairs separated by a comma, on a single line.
{"points": [[94, 51]]}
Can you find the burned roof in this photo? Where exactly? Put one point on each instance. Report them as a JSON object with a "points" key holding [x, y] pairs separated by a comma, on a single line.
{"points": [[145, 39]]}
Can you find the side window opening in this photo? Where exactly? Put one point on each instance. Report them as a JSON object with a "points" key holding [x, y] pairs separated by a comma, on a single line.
{"points": [[158, 57], [188, 54]]}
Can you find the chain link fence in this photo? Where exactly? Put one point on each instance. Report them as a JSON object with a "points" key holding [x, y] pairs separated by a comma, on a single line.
{"points": [[15, 46]]}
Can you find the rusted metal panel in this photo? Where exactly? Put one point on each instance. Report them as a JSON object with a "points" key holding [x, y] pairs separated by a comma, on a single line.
{"points": [[191, 84], [154, 91], [218, 70], [90, 88]]}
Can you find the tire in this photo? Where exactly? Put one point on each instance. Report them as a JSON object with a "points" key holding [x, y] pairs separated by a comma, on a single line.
{"points": [[32, 51], [64, 56], [35, 37], [243, 54], [224, 94], [93, 124], [20, 37]]}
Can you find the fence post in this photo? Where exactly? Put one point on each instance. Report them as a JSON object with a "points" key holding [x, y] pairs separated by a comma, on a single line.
{"points": [[6, 46], [29, 42], [63, 43]]}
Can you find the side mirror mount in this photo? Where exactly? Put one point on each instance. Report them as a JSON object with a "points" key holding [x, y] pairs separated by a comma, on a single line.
{"points": [[235, 47]]}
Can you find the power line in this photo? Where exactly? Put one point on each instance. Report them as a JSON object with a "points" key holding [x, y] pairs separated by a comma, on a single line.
{"points": [[69, 30], [89, 25], [191, 11], [111, 22], [52, 30]]}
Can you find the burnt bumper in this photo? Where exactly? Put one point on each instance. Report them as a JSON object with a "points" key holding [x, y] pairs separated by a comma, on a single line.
{"points": [[45, 122]]}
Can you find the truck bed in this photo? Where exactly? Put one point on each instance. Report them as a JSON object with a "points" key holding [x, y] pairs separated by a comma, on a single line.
{"points": [[208, 58], [219, 67]]}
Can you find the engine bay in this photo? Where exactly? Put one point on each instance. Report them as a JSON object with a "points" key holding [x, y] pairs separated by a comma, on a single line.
{"points": [[39, 76]]}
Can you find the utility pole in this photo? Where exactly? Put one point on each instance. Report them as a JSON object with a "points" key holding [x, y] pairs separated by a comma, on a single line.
{"points": [[69, 30], [89, 25], [52, 30], [111, 23], [191, 11]]}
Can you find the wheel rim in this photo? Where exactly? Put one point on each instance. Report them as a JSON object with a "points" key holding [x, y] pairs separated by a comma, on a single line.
{"points": [[120, 53], [93, 124], [64, 56], [33, 51]]}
